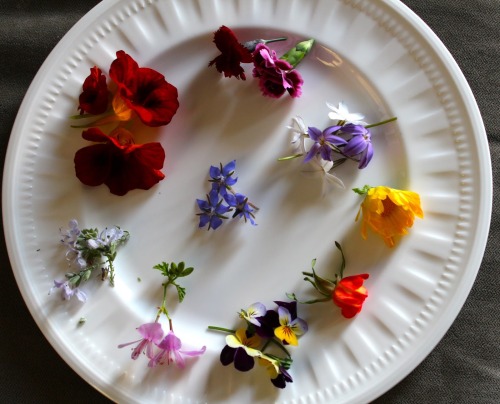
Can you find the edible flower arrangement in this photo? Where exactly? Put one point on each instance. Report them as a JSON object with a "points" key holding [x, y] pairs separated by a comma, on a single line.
{"points": [[108, 103]]}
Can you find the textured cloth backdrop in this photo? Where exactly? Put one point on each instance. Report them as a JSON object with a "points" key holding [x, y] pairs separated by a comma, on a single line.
{"points": [[463, 368]]}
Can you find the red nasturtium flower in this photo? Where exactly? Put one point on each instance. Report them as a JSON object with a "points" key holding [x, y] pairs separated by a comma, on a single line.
{"points": [[119, 163], [94, 97], [232, 54], [143, 90], [349, 294]]}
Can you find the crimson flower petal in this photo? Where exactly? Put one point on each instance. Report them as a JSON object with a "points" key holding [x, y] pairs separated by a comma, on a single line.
{"points": [[233, 53], [122, 167], [95, 95], [144, 90]]}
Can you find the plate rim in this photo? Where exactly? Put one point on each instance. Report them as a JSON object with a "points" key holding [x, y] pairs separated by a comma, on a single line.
{"points": [[439, 51]]}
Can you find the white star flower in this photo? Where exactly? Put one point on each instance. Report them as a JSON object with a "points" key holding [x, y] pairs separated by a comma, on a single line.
{"points": [[341, 113]]}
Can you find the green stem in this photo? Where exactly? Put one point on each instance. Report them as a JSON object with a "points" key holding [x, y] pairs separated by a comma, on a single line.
{"points": [[229, 331], [372, 125], [280, 345], [283, 38], [342, 265], [290, 157], [111, 269], [163, 307]]}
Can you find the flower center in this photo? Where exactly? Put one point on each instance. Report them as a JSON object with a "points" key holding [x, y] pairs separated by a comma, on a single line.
{"points": [[389, 207]]}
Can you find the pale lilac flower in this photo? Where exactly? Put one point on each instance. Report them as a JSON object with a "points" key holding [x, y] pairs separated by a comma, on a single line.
{"points": [[342, 114], [69, 239], [359, 145], [152, 334], [67, 291], [171, 352], [107, 237], [69, 236]]}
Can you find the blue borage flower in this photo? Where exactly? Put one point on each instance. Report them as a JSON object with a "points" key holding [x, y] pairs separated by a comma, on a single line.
{"points": [[348, 139], [223, 199], [88, 251], [279, 327]]}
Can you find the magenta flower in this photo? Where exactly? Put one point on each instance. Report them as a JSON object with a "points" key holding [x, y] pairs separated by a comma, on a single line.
{"points": [[152, 334], [171, 352], [275, 75]]}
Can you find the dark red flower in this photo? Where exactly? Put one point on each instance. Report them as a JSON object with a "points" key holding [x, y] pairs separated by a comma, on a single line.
{"points": [[349, 294], [119, 163], [275, 75], [144, 90], [95, 94], [233, 53]]}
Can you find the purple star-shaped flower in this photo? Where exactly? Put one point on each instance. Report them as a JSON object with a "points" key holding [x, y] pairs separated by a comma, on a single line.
{"points": [[221, 177], [242, 208], [213, 210], [359, 145], [324, 142]]}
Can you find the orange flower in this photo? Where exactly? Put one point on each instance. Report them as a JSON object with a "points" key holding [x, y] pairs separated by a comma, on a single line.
{"points": [[349, 294], [388, 212]]}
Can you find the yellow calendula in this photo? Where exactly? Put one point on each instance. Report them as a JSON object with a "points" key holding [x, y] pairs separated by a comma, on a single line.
{"points": [[388, 211]]}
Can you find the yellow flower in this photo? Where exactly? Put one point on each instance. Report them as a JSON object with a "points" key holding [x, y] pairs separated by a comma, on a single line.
{"points": [[389, 212]]}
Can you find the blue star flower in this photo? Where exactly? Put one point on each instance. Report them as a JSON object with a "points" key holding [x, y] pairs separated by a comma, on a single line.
{"points": [[213, 210]]}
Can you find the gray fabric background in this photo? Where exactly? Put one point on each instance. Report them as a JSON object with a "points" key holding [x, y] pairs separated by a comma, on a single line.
{"points": [[465, 365]]}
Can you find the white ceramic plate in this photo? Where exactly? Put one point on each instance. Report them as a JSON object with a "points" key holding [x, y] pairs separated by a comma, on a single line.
{"points": [[381, 60]]}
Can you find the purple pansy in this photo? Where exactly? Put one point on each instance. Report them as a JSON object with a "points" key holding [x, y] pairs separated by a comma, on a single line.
{"points": [[271, 319], [241, 350], [282, 379], [275, 76], [324, 142], [171, 352], [151, 334], [360, 144]]}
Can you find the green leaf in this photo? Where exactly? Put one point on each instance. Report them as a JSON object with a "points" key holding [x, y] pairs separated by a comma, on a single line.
{"points": [[362, 191], [86, 275], [75, 280], [163, 268], [181, 292], [186, 272]]}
